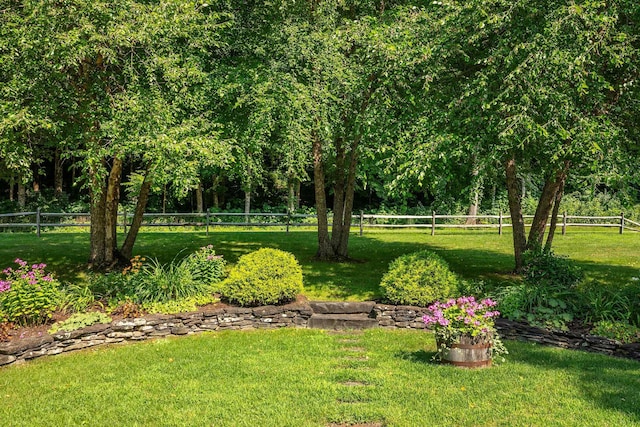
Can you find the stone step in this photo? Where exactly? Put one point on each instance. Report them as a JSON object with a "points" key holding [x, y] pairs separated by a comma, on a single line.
{"points": [[341, 307], [341, 321]]}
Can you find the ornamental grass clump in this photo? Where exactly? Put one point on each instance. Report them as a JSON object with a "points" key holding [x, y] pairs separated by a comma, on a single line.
{"points": [[28, 294], [465, 319]]}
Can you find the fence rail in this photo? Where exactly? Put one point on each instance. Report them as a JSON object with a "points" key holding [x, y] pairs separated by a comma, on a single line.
{"points": [[43, 220]]}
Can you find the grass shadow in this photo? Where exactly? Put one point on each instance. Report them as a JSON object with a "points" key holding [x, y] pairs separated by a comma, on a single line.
{"points": [[420, 356], [617, 390]]}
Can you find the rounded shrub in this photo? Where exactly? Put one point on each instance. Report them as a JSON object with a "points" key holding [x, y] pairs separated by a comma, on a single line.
{"points": [[419, 278], [266, 276]]}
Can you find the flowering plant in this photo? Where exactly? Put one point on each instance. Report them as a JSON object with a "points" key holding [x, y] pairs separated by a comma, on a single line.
{"points": [[466, 318], [28, 295]]}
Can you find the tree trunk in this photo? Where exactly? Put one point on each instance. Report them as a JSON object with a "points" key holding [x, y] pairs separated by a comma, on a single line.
{"points": [[291, 204], [97, 232], [325, 250], [199, 197], [214, 191], [554, 214], [111, 212], [515, 209], [474, 199], [341, 245], [339, 188], [297, 195], [127, 247], [12, 184], [247, 204], [545, 204], [164, 199], [36, 180], [22, 194], [58, 173]]}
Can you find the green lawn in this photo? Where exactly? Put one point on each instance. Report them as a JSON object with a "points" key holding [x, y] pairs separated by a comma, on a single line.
{"points": [[300, 377], [604, 254]]}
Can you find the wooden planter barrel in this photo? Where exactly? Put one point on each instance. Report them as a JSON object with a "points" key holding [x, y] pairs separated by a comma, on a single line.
{"points": [[466, 353]]}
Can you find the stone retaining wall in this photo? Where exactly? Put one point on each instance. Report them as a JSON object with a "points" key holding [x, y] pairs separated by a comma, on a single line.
{"points": [[270, 317], [157, 325], [511, 330], [399, 316]]}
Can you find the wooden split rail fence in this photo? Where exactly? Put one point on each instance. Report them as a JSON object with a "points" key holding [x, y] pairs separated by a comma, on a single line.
{"points": [[39, 220]]}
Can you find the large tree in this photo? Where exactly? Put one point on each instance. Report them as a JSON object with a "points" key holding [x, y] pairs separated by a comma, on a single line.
{"points": [[538, 85], [113, 84]]}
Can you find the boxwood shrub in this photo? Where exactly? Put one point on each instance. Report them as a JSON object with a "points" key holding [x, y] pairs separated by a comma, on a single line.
{"points": [[266, 276], [419, 278]]}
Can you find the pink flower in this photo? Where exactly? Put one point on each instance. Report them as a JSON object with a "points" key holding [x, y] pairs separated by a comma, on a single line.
{"points": [[443, 322], [5, 285]]}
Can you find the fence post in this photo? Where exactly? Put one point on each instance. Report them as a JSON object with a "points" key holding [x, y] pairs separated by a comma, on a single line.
{"points": [[124, 220], [433, 223], [38, 222], [621, 222], [564, 223], [361, 223], [207, 222], [288, 219], [500, 224]]}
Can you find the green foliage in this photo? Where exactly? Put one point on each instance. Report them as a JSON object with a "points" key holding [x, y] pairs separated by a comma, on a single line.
{"points": [[602, 303], [545, 269], [205, 266], [419, 278], [150, 281], [80, 320], [28, 295], [119, 285], [548, 296], [266, 276], [620, 331], [165, 282], [78, 297], [179, 305], [544, 306]]}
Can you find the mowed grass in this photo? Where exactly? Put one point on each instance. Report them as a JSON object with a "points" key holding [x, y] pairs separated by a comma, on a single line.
{"points": [[301, 377], [604, 254]]}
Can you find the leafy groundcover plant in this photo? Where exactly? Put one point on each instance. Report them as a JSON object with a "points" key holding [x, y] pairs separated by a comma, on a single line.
{"points": [[465, 319]]}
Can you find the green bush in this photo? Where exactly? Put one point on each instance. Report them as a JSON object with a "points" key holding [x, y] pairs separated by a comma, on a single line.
{"points": [[548, 296], [620, 331], [179, 305], [205, 265], [80, 320], [544, 268], [149, 281], [543, 306], [165, 282], [78, 298], [419, 278], [266, 276], [28, 295], [599, 302]]}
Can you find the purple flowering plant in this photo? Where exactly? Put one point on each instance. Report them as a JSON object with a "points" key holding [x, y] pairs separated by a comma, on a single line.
{"points": [[28, 294], [465, 317]]}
